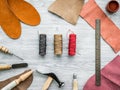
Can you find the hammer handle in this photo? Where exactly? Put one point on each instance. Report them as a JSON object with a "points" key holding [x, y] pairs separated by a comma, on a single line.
{"points": [[47, 83]]}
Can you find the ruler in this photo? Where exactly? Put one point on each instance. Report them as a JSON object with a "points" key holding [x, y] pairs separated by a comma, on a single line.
{"points": [[97, 53]]}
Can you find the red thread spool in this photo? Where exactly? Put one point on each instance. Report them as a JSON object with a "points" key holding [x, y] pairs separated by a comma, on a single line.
{"points": [[72, 45]]}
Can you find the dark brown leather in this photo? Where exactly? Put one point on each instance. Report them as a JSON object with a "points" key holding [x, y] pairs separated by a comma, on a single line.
{"points": [[22, 86]]}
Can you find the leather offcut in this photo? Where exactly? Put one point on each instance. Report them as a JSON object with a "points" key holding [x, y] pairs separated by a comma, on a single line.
{"points": [[110, 77], [8, 21], [67, 9], [22, 86], [109, 31], [25, 12]]}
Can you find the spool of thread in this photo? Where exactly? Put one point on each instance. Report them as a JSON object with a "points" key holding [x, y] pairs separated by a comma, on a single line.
{"points": [[112, 6], [72, 45], [58, 44], [42, 44]]}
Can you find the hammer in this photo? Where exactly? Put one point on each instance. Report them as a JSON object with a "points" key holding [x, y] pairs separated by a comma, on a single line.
{"points": [[51, 77]]}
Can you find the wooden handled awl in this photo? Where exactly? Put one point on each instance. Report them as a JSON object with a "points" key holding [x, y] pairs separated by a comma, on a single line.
{"points": [[6, 50], [47, 83], [14, 83], [75, 82]]}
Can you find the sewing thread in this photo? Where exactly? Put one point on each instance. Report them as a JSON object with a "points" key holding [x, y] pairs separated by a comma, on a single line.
{"points": [[58, 44], [72, 45], [42, 44]]}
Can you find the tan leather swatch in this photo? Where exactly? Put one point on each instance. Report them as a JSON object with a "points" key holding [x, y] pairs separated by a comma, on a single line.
{"points": [[22, 86], [8, 21], [67, 9], [25, 12]]}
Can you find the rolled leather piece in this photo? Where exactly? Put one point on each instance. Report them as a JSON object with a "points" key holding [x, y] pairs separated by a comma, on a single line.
{"points": [[8, 21], [22, 86], [110, 77], [24, 11], [67, 9], [109, 31]]}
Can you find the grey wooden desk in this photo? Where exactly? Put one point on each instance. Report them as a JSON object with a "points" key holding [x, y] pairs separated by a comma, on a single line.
{"points": [[27, 47]]}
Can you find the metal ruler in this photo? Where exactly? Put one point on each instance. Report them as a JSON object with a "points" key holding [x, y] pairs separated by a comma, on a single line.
{"points": [[97, 53]]}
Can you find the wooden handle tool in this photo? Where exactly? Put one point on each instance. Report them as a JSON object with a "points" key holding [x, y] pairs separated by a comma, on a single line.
{"points": [[14, 66], [75, 82], [6, 50], [47, 83], [5, 67], [14, 83]]}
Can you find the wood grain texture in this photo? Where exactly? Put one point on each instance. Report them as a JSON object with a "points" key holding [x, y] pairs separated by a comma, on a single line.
{"points": [[83, 63]]}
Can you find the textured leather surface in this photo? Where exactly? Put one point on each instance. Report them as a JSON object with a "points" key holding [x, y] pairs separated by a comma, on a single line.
{"points": [[67, 9], [14, 11], [109, 31], [24, 11], [110, 77], [8, 21], [22, 86]]}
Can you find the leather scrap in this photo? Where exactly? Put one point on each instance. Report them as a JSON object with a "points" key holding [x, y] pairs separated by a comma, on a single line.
{"points": [[110, 77], [24, 11], [67, 9], [109, 31], [12, 12], [8, 21], [22, 86]]}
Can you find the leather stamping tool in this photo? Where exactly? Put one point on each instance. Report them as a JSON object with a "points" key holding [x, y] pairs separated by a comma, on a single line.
{"points": [[75, 82]]}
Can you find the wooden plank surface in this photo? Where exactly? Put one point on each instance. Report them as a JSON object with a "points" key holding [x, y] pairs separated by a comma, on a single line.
{"points": [[83, 63]]}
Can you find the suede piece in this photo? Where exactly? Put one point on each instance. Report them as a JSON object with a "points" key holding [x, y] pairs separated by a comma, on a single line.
{"points": [[110, 77], [8, 21], [22, 86], [109, 31], [67, 9], [24, 11]]}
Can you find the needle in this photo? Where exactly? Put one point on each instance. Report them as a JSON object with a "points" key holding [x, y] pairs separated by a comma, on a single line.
{"points": [[6, 51], [17, 56]]}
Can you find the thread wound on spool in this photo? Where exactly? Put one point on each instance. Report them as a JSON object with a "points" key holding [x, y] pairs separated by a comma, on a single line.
{"points": [[58, 44], [42, 44], [72, 44]]}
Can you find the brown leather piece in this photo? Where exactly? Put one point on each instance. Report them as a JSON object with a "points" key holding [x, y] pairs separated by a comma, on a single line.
{"points": [[8, 21], [24, 11], [109, 31], [22, 86], [67, 9]]}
